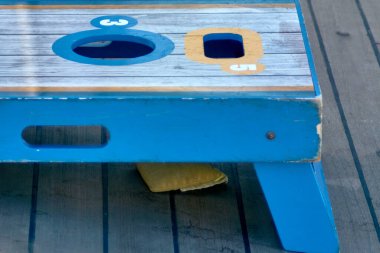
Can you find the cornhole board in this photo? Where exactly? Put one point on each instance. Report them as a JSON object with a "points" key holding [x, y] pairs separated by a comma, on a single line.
{"points": [[174, 81]]}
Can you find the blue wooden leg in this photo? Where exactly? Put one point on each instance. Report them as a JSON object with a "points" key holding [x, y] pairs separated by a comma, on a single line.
{"points": [[297, 198]]}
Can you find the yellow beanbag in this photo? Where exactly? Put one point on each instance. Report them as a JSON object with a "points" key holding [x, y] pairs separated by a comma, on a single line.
{"points": [[161, 177]]}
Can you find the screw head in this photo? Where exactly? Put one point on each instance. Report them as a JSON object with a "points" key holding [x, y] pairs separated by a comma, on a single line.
{"points": [[270, 135]]}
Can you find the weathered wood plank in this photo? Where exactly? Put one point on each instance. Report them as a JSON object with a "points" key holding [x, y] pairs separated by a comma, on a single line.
{"points": [[208, 220], [139, 221], [15, 199], [31, 56], [172, 65], [352, 216], [157, 10], [157, 23], [261, 231], [143, 2], [242, 81], [40, 45], [69, 208]]}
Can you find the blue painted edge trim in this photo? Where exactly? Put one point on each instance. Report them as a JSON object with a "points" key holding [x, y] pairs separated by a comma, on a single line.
{"points": [[157, 129], [136, 2], [309, 53]]}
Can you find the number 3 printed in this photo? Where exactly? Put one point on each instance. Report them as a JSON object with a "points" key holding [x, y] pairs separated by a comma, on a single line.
{"points": [[114, 22], [108, 22]]}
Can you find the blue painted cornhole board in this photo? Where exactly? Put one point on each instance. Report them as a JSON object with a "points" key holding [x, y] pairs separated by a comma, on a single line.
{"points": [[178, 96]]}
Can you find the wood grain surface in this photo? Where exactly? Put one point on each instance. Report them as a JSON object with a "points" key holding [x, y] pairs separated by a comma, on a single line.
{"points": [[40, 45], [28, 60], [141, 9]]}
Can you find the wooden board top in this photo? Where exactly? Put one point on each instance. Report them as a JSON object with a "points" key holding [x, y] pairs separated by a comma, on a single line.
{"points": [[187, 49], [138, 2]]}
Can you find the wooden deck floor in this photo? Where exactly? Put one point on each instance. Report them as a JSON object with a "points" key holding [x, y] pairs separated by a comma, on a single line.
{"points": [[107, 208]]}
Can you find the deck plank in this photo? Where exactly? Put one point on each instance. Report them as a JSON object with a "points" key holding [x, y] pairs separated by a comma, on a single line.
{"points": [[261, 229], [15, 199], [69, 208], [69, 201], [208, 220], [352, 216], [139, 221]]}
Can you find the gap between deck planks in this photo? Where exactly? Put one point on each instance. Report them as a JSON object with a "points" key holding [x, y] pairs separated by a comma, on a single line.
{"points": [[369, 11], [69, 208], [69, 214], [139, 221]]}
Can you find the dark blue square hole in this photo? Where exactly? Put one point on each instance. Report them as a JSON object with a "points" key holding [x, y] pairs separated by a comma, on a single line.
{"points": [[223, 45]]}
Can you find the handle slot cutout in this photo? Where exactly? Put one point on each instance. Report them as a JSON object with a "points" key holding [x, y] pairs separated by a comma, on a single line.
{"points": [[66, 136]]}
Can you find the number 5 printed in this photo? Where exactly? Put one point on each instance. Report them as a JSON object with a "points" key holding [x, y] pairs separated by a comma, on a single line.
{"points": [[243, 67]]}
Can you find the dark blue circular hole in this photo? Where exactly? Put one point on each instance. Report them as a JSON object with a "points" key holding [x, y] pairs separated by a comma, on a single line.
{"points": [[114, 49]]}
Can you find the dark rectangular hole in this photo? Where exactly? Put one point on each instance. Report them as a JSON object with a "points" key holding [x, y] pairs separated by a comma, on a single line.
{"points": [[223, 45], [57, 136]]}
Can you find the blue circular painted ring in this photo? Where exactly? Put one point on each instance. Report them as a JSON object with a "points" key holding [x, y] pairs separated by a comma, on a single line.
{"points": [[64, 47]]}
